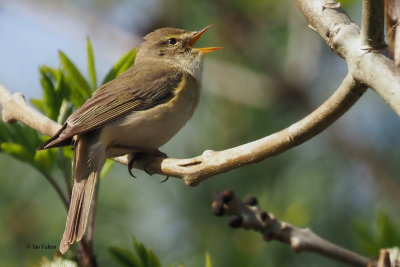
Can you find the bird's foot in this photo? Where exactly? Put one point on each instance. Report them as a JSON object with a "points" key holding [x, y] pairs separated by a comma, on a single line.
{"points": [[146, 156]]}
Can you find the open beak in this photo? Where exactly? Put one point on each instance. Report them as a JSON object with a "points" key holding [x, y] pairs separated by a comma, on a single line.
{"points": [[196, 37]]}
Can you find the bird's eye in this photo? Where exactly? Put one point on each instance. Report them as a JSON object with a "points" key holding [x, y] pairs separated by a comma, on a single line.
{"points": [[172, 41]]}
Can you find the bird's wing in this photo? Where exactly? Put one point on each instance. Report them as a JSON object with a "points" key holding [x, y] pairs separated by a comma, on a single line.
{"points": [[138, 88]]}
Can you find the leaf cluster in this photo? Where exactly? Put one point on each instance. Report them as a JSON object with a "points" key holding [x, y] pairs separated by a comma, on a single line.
{"points": [[142, 256], [383, 233], [64, 89]]}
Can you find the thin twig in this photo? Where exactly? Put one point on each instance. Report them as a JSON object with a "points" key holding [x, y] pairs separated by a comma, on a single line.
{"points": [[60, 193], [66, 174], [88, 259], [248, 215], [372, 27]]}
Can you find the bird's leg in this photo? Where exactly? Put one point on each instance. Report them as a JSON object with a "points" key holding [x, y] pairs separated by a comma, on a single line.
{"points": [[145, 154], [146, 157]]}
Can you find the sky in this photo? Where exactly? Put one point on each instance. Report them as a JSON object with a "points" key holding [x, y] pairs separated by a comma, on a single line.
{"points": [[33, 32]]}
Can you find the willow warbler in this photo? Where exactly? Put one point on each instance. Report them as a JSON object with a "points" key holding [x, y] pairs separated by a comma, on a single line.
{"points": [[137, 112]]}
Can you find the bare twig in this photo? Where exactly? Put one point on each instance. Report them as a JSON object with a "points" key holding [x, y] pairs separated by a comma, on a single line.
{"points": [[66, 173], [248, 215], [60, 193], [372, 25], [87, 258], [197, 169], [368, 67]]}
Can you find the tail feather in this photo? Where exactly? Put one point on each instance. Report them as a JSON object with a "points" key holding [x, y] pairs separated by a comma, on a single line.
{"points": [[56, 140], [87, 166], [86, 203]]}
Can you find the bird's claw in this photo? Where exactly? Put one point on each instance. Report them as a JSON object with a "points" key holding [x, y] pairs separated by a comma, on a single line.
{"points": [[130, 165], [165, 179], [149, 156]]}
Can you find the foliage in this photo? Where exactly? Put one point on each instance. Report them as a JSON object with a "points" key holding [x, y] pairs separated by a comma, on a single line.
{"points": [[64, 90], [384, 233], [142, 257], [328, 176]]}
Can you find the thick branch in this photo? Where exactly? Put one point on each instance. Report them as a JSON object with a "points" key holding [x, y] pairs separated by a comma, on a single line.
{"points": [[248, 215], [210, 163], [195, 170], [392, 11], [343, 36], [14, 108], [372, 24]]}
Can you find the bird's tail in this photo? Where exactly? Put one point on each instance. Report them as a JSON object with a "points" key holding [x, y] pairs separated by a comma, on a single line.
{"points": [[88, 162]]}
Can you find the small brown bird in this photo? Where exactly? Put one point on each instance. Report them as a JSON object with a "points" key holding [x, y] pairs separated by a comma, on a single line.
{"points": [[137, 112]]}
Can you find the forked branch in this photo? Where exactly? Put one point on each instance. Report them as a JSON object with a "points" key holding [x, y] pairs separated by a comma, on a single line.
{"points": [[368, 66]]}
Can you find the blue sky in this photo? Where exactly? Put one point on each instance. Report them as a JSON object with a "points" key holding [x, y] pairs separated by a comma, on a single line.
{"points": [[31, 35]]}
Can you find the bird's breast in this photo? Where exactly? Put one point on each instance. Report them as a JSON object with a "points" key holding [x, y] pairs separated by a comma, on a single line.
{"points": [[155, 126]]}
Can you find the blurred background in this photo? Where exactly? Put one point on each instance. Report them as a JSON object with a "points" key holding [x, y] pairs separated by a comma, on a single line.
{"points": [[273, 71]]}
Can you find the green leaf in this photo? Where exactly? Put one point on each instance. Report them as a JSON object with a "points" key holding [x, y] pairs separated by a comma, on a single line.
{"points": [[68, 152], [49, 96], [23, 135], [65, 110], [61, 88], [39, 103], [386, 231], [4, 133], [106, 168], [77, 82], [372, 239], [91, 65], [146, 256], [153, 260], [50, 70], [17, 151], [43, 160], [364, 238], [125, 62], [141, 251], [124, 257], [208, 260]]}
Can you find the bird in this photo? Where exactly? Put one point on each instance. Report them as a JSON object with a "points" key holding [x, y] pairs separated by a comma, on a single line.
{"points": [[136, 113]]}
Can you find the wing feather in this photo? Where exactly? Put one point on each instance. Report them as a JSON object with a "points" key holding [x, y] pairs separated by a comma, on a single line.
{"points": [[138, 88]]}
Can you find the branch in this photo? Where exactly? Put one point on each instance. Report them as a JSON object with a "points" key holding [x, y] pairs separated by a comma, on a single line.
{"points": [[66, 173], [248, 215], [14, 108], [197, 169], [86, 258], [392, 11], [343, 36], [372, 25], [60, 193], [210, 163]]}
